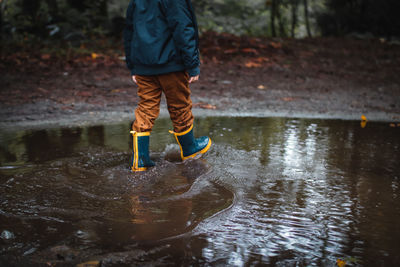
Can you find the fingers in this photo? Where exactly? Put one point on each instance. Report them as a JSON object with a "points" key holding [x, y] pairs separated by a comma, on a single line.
{"points": [[194, 79], [134, 78]]}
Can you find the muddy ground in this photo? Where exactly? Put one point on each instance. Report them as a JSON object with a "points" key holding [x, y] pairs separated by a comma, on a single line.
{"points": [[321, 78]]}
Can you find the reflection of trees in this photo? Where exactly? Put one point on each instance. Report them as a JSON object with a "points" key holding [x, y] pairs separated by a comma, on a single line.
{"points": [[38, 146], [369, 159], [70, 138], [95, 135], [6, 156], [44, 145]]}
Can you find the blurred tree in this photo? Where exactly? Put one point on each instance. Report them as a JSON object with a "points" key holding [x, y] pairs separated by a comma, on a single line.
{"points": [[379, 18], [273, 4], [306, 17], [33, 17], [1, 20], [282, 22], [294, 9], [80, 5], [79, 19], [53, 10]]}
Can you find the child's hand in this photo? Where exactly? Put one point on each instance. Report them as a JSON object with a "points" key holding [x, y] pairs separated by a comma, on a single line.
{"points": [[194, 79], [134, 78]]}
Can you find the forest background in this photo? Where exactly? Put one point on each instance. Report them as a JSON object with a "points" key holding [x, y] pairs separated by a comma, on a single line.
{"points": [[62, 57], [74, 21]]}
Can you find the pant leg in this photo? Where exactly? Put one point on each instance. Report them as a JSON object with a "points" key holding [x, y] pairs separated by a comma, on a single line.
{"points": [[176, 88], [148, 109]]}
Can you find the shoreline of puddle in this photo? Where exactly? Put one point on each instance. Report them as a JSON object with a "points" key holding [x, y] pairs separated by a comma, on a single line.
{"points": [[90, 118]]}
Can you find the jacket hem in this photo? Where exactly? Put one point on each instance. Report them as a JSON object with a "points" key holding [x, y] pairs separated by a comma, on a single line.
{"points": [[157, 70]]}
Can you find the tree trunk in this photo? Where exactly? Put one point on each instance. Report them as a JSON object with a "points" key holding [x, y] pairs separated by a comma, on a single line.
{"points": [[31, 8], [53, 9], [306, 17], [1, 21], [295, 4], [280, 21], [273, 14], [103, 8]]}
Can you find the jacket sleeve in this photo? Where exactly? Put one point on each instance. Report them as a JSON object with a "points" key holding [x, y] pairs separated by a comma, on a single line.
{"points": [[182, 23], [128, 32]]}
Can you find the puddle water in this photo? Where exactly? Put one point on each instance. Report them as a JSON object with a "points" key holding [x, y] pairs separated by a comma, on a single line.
{"points": [[271, 191]]}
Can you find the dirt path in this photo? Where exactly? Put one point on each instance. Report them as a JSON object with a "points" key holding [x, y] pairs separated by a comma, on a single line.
{"points": [[319, 78]]}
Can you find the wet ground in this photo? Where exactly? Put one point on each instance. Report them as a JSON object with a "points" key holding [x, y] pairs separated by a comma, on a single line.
{"points": [[336, 78], [277, 191]]}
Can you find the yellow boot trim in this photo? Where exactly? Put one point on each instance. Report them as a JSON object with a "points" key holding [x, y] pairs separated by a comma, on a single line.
{"points": [[135, 165], [139, 169], [177, 140], [140, 134], [204, 150], [182, 133]]}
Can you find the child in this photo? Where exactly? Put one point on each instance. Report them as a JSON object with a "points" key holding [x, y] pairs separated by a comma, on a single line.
{"points": [[161, 46]]}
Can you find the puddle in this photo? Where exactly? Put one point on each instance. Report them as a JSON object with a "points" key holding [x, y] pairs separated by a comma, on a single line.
{"points": [[270, 191]]}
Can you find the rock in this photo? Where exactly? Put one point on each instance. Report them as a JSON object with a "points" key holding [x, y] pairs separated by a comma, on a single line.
{"points": [[7, 235]]}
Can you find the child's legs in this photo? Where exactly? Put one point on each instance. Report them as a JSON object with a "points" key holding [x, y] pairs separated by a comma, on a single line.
{"points": [[176, 88], [148, 109]]}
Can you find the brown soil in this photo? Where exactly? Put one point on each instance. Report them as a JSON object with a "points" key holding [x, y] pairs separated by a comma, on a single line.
{"points": [[322, 77]]}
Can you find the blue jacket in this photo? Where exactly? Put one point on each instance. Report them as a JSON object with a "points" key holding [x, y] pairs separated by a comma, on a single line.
{"points": [[161, 36]]}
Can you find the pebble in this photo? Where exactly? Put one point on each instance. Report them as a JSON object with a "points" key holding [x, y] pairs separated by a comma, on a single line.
{"points": [[7, 235]]}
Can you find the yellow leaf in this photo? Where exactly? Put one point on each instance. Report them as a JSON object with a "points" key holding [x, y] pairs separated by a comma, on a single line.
{"points": [[275, 45], [363, 118], [94, 55], [340, 263], [251, 64], [89, 264]]}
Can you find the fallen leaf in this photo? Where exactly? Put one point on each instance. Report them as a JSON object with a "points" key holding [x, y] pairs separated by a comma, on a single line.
{"points": [[363, 118], [94, 55], [340, 263], [89, 264], [261, 87], [204, 106], [261, 59], [288, 99], [230, 51], [45, 56], [251, 64], [275, 45], [392, 125], [42, 90], [250, 50], [116, 90], [84, 93]]}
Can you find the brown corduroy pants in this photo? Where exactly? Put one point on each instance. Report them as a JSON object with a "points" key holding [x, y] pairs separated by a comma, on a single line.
{"points": [[177, 93]]}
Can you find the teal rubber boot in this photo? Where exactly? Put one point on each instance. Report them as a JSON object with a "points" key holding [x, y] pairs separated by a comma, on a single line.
{"points": [[192, 147], [140, 156]]}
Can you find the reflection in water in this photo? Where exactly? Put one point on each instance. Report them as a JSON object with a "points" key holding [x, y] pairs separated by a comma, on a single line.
{"points": [[271, 191]]}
